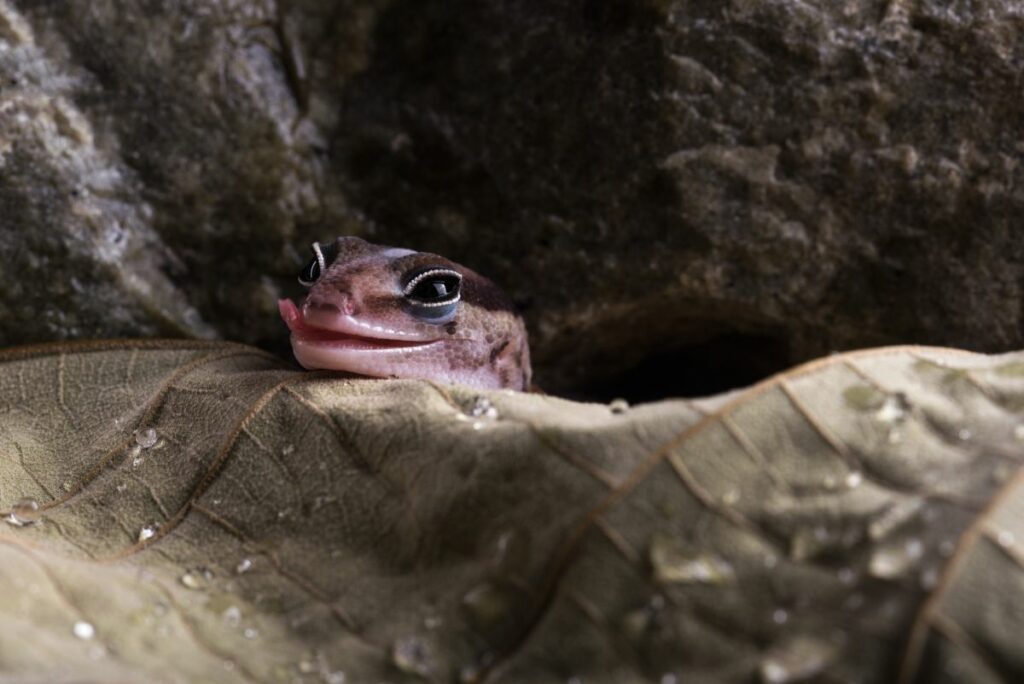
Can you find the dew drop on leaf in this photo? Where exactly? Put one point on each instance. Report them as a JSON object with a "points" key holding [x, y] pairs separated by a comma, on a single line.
{"points": [[232, 616], [483, 408], [83, 630], [929, 578], [618, 406], [893, 409], [894, 517], [863, 397], [23, 513], [197, 578], [411, 655], [487, 604], [796, 659], [674, 563], [146, 438], [894, 559]]}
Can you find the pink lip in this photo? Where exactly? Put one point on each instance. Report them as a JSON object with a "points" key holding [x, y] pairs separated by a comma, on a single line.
{"points": [[342, 334]]}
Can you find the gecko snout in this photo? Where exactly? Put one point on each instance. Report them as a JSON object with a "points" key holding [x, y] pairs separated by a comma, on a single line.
{"points": [[330, 302]]}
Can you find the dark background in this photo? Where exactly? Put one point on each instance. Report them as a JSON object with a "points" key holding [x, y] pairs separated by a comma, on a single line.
{"points": [[682, 196]]}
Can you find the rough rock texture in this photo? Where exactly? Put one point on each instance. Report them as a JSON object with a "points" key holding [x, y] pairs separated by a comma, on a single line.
{"points": [[201, 512], [646, 176]]}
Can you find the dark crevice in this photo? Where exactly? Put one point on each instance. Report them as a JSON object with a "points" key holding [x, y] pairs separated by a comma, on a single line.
{"points": [[717, 365]]}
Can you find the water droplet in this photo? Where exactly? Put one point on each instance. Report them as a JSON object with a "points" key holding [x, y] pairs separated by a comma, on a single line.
{"points": [[964, 434], [411, 655], [487, 604], [892, 560], [84, 630], [197, 578], [674, 563], [1005, 538], [483, 408], [244, 566], [232, 615], [863, 397], [618, 406], [148, 532], [23, 513], [511, 552], [146, 438], [808, 542], [893, 409], [796, 658], [780, 616], [854, 479], [250, 633], [893, 517], [929, 578]]}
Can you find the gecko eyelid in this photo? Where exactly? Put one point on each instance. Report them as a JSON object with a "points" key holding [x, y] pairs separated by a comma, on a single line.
{"points": [[451, 278], [315, 268]]}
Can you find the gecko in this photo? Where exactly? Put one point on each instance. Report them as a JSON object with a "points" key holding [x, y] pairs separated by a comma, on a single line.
{"points": [[388, 312]]}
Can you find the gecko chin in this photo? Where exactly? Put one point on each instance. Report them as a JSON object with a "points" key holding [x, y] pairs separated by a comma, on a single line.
{"points": [[322, 340]]}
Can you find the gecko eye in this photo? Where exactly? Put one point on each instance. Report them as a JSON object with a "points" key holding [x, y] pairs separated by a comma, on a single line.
{"points": [[433, 293], [323, 256]]}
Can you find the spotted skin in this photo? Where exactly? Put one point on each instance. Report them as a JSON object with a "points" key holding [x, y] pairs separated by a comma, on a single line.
{"points": [[356, 318]]}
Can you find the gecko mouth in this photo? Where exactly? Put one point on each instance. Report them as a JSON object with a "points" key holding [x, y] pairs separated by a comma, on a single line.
{"points": [[343, 336]]}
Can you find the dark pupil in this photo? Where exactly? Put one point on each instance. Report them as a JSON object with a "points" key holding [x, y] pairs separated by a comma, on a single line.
{"points": [[311, 272], [435, 289]]}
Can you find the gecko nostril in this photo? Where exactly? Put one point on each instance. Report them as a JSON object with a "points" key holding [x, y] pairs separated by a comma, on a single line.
{"points": [[331, 302]]}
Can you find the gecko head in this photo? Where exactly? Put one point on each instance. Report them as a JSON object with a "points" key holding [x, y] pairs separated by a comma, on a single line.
{"points": [[388, 312]]}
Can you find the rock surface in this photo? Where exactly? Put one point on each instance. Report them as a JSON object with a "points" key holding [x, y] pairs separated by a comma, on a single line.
{"points": [[644, 177]]}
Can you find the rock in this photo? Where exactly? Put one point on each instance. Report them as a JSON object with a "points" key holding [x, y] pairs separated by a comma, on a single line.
{"points": [[660, 184]]}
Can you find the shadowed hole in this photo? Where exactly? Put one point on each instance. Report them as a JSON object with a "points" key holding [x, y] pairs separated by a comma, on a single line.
{"points": [[717, 365]]}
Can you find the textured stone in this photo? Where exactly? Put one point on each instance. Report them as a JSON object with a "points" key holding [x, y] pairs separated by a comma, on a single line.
{"points": [[760, 181]]}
